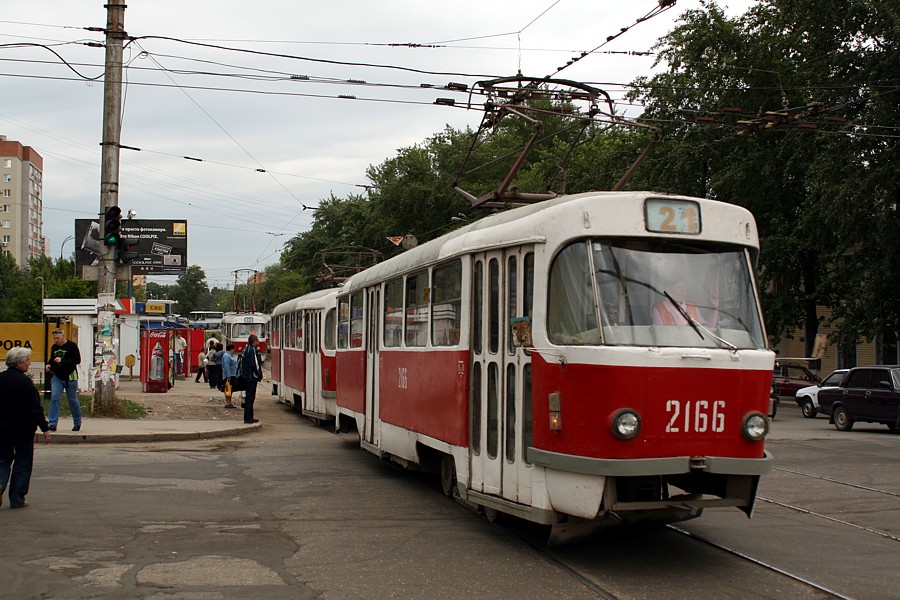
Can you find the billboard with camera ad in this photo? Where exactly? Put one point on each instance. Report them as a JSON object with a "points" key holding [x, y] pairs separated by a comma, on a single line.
{"points": [[161, 245]]}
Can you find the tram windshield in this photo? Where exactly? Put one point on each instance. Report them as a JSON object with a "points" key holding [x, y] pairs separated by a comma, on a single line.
{"points": [[653, 293], [242, 330]]}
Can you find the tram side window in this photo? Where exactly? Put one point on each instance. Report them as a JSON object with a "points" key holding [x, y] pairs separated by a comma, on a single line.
{"points": [[571, 297], [417, 308], [493, 411], [393, 314], [291, 341], [477, 305], [509, 443], [329, 329], [528, 284], [445, 304], [494, 307], [527, 429], [512, 299], [275, 335], [356, 320], [344, 322]]}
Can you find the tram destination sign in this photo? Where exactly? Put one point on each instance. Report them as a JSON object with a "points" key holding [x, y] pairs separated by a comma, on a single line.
{"points": [[161, 245]]}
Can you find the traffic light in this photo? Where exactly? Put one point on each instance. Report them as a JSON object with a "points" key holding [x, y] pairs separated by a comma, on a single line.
{"points": [[112, 226], [125, 252]]}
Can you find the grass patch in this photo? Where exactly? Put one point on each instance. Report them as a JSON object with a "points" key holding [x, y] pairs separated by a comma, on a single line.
{"points": [[120, 408]]}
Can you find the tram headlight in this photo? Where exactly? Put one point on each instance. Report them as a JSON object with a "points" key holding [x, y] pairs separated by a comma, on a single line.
{"points": [[626, 424], [755, 427]]}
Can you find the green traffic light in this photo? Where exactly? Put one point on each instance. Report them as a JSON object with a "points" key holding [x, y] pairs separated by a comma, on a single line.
{"points": [[111, 239]]}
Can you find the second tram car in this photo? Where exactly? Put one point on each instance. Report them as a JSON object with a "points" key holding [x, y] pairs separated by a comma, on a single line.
{"points": [[594, 359], [237, 327], [303, 354]]}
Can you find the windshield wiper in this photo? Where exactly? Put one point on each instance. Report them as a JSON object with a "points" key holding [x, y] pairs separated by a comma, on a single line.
{"points": [[697, 325], [684, 313]]}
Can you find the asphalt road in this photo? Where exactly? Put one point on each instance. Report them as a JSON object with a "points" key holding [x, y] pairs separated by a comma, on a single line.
{"points": [[294, 511]]}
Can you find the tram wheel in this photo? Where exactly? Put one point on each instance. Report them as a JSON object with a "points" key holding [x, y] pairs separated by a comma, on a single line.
{"points": [[448, 475], [493, 515]]}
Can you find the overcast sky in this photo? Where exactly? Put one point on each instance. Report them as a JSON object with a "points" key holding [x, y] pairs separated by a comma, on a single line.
{"points": [[240, 111]]}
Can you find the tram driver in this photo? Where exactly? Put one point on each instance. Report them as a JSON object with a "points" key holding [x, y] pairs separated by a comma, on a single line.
{"points": [[666, 313]]}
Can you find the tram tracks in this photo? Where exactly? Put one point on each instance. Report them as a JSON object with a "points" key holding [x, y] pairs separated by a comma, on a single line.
{"points": [[594, 581], [838, 481], [590, 584], [769, 567], [819, 515]]}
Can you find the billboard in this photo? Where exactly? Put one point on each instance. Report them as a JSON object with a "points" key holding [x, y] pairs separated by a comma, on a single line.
{"points": [[161, 245]]}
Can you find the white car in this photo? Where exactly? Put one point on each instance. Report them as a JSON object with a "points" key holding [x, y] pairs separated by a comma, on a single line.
{"points": [[808, 397]]}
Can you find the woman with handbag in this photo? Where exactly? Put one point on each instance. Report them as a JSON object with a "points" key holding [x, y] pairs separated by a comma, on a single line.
{"points": [[229, 371]]}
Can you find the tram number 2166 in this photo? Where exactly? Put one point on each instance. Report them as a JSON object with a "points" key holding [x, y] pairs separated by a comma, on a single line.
{"points": [[698, 416]]}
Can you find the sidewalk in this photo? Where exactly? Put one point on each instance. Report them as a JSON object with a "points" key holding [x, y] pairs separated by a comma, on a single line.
{"points": [[148, 430]]}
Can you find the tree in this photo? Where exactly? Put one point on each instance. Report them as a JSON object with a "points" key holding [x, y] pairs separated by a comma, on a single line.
{"points": [[788, 66], [11, 283], [281, 285], [20, 289], [191, 291]]}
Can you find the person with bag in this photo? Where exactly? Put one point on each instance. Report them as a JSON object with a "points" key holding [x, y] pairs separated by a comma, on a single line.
{"points": [[63, 364], [229, 371], [251, 374]]}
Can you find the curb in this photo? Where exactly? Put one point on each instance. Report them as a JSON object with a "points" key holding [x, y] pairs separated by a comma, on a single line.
{"points": [[151, 436]]}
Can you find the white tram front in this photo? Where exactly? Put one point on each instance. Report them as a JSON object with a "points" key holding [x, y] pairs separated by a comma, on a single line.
{"points": [[237, 327]]}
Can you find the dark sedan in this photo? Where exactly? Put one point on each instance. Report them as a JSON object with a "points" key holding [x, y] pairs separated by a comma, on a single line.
{"points": [[870, 394]]}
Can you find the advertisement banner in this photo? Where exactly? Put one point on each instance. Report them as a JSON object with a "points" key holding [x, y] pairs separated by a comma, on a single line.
{"points": [[161, 245]]}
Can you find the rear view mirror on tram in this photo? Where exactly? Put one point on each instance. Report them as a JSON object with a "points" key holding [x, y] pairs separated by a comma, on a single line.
{"points": [[521, 329]]}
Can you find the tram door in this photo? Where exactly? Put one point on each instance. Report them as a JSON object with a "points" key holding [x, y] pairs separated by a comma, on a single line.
{"points": [[313, 396], [498, 394], [372, 428]]}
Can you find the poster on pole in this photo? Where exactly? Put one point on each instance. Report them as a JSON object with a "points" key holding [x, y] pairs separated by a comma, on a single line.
{"points": [[161, 245]]}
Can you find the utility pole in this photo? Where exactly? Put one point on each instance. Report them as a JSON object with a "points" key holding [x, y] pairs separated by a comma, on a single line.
{"points": [[109, 198]]}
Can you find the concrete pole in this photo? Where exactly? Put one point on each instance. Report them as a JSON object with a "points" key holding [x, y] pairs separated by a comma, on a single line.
{"points": [[109, 196]]}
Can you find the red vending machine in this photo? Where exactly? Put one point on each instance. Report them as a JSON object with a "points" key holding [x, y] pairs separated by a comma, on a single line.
{"points": [[157, 370]]}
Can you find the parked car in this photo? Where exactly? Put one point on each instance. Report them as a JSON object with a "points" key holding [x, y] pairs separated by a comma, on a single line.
{"points": [[808, 397], [788, 378], [870, 394]]}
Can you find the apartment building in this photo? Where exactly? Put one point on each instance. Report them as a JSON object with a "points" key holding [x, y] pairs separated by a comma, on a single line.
{"points": [[21, 201]]}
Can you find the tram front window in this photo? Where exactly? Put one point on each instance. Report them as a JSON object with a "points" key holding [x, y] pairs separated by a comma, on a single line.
{"points": [[242, 330], [653, 293]]}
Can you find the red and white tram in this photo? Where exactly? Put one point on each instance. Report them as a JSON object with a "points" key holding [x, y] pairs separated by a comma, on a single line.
{"points": [[237, 327], [594, 359], [303, 354]]}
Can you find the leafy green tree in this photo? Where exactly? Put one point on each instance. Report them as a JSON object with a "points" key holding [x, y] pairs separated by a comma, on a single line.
{"points": [[280, 285], [21, 289], [784, 70], [11, 284], [191, 292], [221, 299]]}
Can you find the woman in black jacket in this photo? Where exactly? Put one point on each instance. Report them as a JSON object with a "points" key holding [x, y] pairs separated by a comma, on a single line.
{"points": [[21, 414]]}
